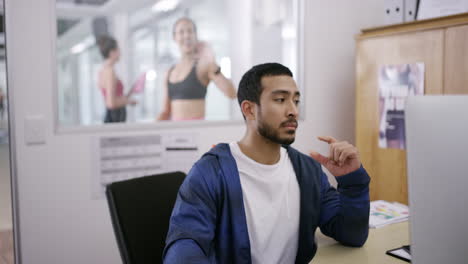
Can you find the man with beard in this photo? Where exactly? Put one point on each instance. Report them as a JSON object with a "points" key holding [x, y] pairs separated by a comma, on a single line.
{"points": [[259, 200]]}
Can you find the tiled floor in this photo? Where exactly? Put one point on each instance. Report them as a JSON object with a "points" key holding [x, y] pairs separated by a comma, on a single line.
{"points": [[6, 247]]}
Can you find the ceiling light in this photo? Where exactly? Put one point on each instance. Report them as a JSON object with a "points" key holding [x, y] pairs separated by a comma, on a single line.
{"points": [[165, 5]]}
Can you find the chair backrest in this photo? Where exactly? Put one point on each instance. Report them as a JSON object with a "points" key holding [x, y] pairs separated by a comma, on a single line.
{"points": [[140, 211]]}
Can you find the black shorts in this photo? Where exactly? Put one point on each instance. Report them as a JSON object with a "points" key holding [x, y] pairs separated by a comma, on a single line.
{"points": [[116, 115]]}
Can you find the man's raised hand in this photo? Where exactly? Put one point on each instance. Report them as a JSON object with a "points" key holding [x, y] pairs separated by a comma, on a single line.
{"points": [[342, 159]]}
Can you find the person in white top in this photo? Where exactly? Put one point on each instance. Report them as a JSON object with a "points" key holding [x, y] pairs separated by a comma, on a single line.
{"points": [[271, 201], [259, 200]]}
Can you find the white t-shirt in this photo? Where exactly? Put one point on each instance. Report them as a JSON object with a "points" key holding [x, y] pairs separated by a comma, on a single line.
{"points": [[271, 201]]}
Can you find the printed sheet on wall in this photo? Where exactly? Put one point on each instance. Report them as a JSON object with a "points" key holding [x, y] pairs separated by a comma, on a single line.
{"points": [[117, 158], [396, 83]]}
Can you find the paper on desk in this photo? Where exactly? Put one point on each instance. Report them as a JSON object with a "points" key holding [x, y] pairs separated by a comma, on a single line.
{"points": [[383, 213]]}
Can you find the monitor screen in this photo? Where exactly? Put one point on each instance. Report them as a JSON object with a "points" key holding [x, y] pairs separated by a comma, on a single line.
{"points": [[437, 158]]}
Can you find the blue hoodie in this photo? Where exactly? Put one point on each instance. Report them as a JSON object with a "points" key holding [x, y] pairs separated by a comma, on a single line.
{"points": [[208, 222]]}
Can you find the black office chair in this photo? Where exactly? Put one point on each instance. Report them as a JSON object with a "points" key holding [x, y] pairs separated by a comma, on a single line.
{"points": [[140, 210]]}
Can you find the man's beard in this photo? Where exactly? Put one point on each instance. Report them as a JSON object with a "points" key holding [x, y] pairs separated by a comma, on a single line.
{"points": [[272, 134]]}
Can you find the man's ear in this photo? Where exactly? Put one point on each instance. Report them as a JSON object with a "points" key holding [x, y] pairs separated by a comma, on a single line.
{"points": [[249, 109]]}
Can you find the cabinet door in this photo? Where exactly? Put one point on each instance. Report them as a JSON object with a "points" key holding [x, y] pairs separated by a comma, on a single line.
{"points": [[456, 60], [387, 167]]}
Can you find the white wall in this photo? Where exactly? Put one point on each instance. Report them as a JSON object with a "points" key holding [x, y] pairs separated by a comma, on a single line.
{"points": [[59, 223], [330, 64]]}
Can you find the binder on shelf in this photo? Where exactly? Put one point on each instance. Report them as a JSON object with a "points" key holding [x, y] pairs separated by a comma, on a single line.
{"points": [[394, 11], [410, 10]]}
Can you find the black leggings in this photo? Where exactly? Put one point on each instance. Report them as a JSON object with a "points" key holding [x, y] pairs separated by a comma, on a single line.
{"points": [[2, 110], [115, 115]]}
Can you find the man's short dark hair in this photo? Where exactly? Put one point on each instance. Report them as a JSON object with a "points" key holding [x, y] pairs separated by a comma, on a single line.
{"points": [[250, 86]]}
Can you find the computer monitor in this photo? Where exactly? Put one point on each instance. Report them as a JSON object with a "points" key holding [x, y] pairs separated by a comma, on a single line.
{"points": [[437, 158]]}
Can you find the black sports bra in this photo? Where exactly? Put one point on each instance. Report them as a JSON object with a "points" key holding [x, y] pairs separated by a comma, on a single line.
{"points": [[189, 88]]}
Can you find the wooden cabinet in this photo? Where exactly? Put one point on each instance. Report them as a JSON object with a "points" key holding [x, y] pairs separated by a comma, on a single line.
{"points": [[442, 45], [456, 60]]}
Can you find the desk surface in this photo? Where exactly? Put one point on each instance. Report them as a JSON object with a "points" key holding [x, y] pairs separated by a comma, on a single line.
{"points": [[380, 240]]}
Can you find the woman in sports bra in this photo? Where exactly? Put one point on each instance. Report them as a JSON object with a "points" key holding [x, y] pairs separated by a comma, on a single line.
{"points": [[186, 82], [110, 86]]}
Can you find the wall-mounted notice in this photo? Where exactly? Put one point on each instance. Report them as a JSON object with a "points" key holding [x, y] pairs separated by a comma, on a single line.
{"points": [[118, 158], [396, 83]]}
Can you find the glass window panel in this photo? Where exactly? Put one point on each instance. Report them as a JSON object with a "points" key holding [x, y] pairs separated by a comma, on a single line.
{"points": [[144, 34]]}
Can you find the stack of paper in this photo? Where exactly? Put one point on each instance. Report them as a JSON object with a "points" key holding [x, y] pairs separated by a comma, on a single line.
{"points": [[383, 213]]}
